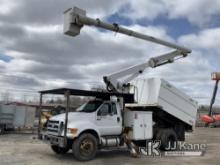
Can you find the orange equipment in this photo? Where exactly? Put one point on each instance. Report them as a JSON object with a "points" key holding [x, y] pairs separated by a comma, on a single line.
{"points": [[210, 118]]}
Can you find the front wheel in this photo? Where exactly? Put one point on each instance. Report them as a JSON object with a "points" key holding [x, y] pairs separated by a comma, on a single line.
{"points": [[85, 147], [59, 150]]}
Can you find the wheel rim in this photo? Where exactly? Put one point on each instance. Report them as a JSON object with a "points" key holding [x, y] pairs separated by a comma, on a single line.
{"points": [[86, 147]]}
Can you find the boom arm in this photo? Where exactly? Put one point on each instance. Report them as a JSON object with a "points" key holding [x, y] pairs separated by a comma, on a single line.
{"points": [[113, 81], [75, 19]]}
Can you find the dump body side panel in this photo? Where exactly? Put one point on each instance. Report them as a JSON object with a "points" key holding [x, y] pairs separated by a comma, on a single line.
{"points": [[160, 93]]}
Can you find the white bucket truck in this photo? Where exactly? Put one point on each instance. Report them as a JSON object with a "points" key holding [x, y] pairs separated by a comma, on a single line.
{"points": [[129, 113]]}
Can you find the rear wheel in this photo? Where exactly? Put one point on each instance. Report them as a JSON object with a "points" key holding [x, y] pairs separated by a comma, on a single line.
{"points": [[85, 147], [168, 139], [59, 150]]}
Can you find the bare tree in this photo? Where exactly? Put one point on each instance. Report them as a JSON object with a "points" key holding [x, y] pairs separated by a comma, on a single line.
{"points": [[6, 96]]}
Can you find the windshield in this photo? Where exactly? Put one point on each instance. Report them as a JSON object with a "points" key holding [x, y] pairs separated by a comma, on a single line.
{"points": [[90, 106]]}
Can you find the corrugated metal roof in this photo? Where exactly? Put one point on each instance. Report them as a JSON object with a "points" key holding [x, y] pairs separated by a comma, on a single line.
{"points": [[128, 98]]}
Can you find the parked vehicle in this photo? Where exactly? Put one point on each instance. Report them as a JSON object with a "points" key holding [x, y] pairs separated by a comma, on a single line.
{"points": [[131, 112], [13, 116], [212, 119], [106, 123]]}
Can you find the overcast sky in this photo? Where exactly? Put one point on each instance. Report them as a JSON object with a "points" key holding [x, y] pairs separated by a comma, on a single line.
{"points": [[36, 55]]}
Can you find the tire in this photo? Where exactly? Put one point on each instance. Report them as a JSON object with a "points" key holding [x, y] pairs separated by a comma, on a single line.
{"points": [[85, 147], [59, 150], [167, 137]]}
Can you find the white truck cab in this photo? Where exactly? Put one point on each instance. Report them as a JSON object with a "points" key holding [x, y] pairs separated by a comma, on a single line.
{"points": [[103, 117], [95, 124]]}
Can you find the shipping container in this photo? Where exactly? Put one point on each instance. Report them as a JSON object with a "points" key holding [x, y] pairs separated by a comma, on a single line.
{"points": [[14, 116]]}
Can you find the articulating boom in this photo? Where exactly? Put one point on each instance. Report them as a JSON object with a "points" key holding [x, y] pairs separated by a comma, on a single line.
{"points": [[75, 19], [113, 81]]}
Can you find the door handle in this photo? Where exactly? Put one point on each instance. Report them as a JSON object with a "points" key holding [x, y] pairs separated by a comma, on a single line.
{"points": [[118, 119]]}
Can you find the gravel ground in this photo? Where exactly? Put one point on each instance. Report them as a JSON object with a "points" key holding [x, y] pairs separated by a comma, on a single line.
{"points": [[22, 149]]}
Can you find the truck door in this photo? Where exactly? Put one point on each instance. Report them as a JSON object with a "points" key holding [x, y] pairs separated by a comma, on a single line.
{"points": [[109, 120]]}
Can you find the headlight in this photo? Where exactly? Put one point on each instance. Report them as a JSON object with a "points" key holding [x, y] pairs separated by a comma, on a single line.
{"points": [[72, 130]]}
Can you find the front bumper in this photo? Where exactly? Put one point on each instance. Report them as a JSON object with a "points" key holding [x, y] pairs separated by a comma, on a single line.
{"points": [[54, 140]]}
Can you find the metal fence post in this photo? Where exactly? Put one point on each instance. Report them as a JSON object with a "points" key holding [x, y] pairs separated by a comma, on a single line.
{"points": [[67, 95], [39, 113]]}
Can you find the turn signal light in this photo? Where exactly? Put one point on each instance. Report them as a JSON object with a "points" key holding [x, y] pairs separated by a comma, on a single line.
{"points": [[72, 130]]}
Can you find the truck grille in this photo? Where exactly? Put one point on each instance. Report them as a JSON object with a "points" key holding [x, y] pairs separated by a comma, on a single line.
{"points": [[54, 127]]}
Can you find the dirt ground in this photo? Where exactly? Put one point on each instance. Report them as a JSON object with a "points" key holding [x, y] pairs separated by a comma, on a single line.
{"points": [[22, 149]]}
